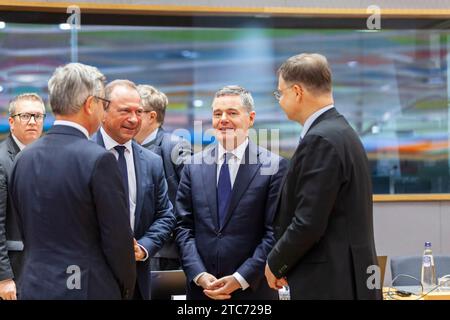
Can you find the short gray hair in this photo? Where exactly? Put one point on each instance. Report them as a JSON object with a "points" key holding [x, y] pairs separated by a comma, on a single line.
{"points": [[233, 90], [71, 85], [310, 69], [116, 83], [24, 96], [153, 100]]}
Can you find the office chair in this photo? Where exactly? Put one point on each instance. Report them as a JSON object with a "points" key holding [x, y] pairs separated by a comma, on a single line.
{"points": [[412, 266]]}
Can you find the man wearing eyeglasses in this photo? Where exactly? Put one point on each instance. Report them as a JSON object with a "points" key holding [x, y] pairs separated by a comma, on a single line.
{"points": [[71, 202], [324, 223], [27, 113], [150, 212]]}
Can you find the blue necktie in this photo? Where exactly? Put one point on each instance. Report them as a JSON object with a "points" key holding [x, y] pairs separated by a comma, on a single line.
{"points": [[123, 170], [224, 189]]}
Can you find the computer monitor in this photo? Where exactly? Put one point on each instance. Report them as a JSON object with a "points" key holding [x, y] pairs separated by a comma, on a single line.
{"points": [[166, 284]]}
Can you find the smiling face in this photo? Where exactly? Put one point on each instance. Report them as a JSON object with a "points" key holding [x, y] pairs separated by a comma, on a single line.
{"points": [[123, 118], [231, 121], [27, 131]]}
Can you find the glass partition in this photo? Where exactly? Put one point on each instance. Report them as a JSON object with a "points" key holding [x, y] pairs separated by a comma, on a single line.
{"points": [[392, 85]]}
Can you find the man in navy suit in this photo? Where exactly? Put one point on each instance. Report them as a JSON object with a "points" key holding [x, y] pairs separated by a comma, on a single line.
{"points": [[70, 200], [172, 149], [225, 207], [150, 211]]}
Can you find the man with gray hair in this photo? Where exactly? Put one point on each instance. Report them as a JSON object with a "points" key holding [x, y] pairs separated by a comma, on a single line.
{"points": [[26, 121], [172, 149], [71, 202], [225, 205]]}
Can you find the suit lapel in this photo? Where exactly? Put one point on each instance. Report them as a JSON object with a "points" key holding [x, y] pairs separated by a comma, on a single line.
{"points": [[247, 171], [140, 173], [209, 175], [13, 148], [99, 139]]}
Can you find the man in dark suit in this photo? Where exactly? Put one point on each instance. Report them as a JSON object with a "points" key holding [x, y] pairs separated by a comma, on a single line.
{"points": [[70, 200], [225, 207], [26, 119], [150, 211], [172, 149], [324, 223]]}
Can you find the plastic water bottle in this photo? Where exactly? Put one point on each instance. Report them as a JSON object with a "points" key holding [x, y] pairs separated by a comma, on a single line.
{"points": [[428, 271], [284, 293]]}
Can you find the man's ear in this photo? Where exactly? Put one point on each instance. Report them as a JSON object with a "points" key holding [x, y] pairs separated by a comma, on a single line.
{"points": [[153, 115], [299, 91], [88, 106], [252, 116]]}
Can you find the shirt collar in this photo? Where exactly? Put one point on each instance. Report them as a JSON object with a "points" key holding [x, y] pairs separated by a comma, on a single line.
{"points": [[238, 152], [312, 118], [73, 125], [110, 143], [150, 137], [17, 141]]}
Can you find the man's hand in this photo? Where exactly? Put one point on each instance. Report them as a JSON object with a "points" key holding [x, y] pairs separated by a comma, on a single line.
{"points": [[206, 280], [222, 288], [8, 289], [139, 254], [272, 281]]}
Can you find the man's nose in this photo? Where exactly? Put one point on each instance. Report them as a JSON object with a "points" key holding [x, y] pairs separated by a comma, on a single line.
{"points": [[32, 120]]}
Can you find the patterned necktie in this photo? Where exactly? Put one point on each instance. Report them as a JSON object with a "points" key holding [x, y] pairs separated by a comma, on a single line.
{"points": [[123, 170], [224, 189]]}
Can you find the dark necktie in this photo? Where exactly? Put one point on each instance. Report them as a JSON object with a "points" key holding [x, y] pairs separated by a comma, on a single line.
{"points": [[224, 189], [123, 170]]}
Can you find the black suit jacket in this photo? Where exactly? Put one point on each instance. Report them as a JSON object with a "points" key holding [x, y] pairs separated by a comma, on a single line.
{"points": [[174, 151], [242, 243], [11, 245], [154, 218], [70, 199], [324, 224]]}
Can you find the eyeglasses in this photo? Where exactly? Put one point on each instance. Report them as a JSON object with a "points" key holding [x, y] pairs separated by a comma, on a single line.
{"points": [[279, 93], [105, 102], [26, 117]]}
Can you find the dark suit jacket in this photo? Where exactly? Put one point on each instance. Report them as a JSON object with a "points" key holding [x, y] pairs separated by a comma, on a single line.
{"points": [[324, 224], [70, 199], [154, 218], [174, 151], [243, 242], [10, 239]]}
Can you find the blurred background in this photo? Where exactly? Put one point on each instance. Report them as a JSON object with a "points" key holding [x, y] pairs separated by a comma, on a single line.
{"points": [[391, 84]]}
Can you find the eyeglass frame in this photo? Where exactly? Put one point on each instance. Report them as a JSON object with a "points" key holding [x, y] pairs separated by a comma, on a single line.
{"points": [[108, 102], [279, 93], [32, 115]]}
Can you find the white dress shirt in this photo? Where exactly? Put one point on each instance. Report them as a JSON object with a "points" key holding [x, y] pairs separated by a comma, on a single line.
{"points": [[312, 118], [17, 141], [150, 137], [110, 143], [73, 125], [233, 165]]}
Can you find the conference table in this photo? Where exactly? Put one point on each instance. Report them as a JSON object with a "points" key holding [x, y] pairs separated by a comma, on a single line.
{"points": [[414, 293]]}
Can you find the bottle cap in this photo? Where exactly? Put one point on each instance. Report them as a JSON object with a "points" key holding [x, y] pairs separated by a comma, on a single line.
{"points": [[427, 244]]}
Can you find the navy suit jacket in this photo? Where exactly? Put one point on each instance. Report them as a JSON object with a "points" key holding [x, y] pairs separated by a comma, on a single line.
{"points": [[246, 237], [154, 218], [174, 151], [73, 216]]}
